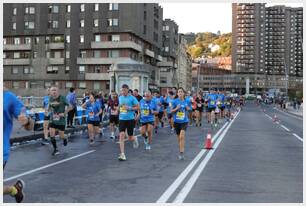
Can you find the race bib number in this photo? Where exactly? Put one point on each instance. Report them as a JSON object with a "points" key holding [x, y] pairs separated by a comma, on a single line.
{"points": [[91, 114], [56, 117], [180, 115], [212, 102], [199, 105], [114, 112], [145, 112], [122, 110]]}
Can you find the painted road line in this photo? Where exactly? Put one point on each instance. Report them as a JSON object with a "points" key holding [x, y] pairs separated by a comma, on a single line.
{"points": [[46, 166], [188, 186], [171, 189], [288, 130], [268, 116], [297, 136], [299, 118]]}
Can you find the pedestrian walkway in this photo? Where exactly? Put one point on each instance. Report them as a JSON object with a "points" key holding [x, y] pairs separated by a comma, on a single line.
{"points": [[295, 112]]}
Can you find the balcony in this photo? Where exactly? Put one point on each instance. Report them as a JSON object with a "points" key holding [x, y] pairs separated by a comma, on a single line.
{"points": [[159, 58], [92, 60], [116, 45], [56, 46], [165, 64], [56, 61], [96, 76], [149, 53], [15, 47], [16, 61]]}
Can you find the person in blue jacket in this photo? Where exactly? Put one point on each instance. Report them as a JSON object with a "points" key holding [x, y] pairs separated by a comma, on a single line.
{"points": [[13, 108], [180, 110], [146, 113]]}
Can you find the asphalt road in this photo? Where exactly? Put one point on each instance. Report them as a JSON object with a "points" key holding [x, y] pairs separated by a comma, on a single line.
{"points": [[253, 160]]}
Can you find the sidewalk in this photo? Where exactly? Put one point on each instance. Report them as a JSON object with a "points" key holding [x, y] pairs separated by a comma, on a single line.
{"points": [[299, 112]]}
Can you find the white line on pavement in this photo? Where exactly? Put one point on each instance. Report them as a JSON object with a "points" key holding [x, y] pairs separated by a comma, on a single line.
{"points": [[299, 118], [268, 116], [297, 136], [288, 130], [188, 186], [171, 189], [46, 166]]}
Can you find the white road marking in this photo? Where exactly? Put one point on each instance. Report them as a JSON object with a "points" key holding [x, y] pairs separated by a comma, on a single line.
{"points": [[268, 116], [171, 189], [46, 166], [297, 136], [285, 128], [188, 186]]}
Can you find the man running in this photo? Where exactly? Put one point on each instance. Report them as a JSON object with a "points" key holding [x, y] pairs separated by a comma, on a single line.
{"points": [[71, 99], [128, 104], [199, 109], [13, 108], [179, 110], [94, 110], [58, 110], [189, 101], [212, 100], [46, 118], [146, 113], [169, 100], [159, 103], [113, 107]]}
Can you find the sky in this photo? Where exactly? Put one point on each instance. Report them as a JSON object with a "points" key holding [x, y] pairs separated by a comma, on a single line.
{"points": [[202, 17]]}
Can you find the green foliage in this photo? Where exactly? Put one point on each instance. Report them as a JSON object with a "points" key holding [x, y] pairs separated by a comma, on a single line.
{"points": [[202, 41]]}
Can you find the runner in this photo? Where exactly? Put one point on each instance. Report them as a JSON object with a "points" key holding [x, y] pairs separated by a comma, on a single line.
{"points": [[113, 107], [212, 98], [46, 118], [159, 117], [222, 100], [58, 111], [71, 99], [146, 113], [180, 108], [138, 97], [13, 108], [128, 104], [169, 99], [189, 101], [228, 106], [199, 109], [93, 108]]}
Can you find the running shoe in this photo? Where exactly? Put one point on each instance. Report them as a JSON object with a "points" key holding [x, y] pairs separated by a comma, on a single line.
{"points": [[162, 124], [135, 143], [65, 141], [172, 130], [122, 157], [91, 142], [55, 152], [19, 185], [181, 156], [44, 142], [145, 140], [148, 146]]}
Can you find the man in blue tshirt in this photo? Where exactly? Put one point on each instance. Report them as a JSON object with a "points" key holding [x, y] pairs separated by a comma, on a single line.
{"points": [[128, 104], [159, 100], [221, 97], [211, 103], [13, 108], [146, 113], [71, 99]]}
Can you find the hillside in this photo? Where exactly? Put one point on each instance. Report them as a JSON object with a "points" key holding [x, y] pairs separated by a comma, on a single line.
{"points": [[200, 47]]}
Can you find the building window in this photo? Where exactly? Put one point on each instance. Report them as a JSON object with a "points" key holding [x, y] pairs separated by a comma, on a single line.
{"points": [[96, 7], [97, 54], [52, 69], [14, 25], [82, 23], [155, 36], [15, 70], [83, 54], [68, 8], [4, 55], [16, 55], [113, 53], [144, 29], [113, 22], [68, 23], [97, 38], [15, 85], [82, 7], [82, 69], [28, 70], [47, 54], [53, 9], [4, 41], [82, 85], [30, 10], [97, 86], [67, 69], [53, 24], [67, 54], [166, 49], [81, 38], [14, 11], [29, 25], [35, 55], [68, 85], [115, 37], [28, 40], [67, 38], [96, 23], [113, 7], [165, 28]]}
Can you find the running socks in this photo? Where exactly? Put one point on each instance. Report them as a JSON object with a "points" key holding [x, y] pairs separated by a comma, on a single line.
{"points": [[53, 141]]}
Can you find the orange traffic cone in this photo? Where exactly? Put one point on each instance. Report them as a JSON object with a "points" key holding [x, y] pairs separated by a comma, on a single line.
{"points": [[208, 144]]}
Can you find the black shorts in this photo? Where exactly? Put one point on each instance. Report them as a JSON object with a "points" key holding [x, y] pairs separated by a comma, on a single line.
{"points": [[127, 125], [180, 126], [211, 109], [222, 108], [169, 115], [160, 115], [146, 123], [47, 118], [94, 123], [114, 119], [59, 127], [200, 109]]}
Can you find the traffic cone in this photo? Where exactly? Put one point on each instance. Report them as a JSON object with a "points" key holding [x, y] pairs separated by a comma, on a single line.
{"points": [[208, 144], [274, 118]]}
